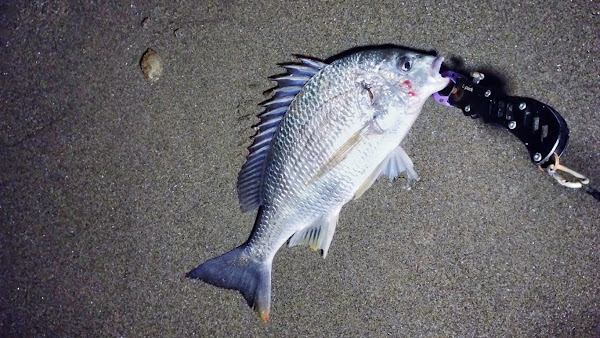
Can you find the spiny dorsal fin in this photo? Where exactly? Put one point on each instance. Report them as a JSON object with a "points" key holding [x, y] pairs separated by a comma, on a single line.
{"points": [[288, 85]]}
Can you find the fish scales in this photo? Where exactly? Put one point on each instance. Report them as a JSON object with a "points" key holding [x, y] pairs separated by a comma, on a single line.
{"points": [[317, 125], [341, 130]]}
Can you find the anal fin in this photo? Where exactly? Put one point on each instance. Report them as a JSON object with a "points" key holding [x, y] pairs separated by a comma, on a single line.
{"points": [[319, 235]]}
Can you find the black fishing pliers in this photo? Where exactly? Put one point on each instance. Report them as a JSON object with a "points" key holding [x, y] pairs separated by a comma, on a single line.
{"points": [[543, 131]]}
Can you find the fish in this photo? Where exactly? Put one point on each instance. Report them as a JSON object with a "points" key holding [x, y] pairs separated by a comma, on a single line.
{"points": [[329, 130]]}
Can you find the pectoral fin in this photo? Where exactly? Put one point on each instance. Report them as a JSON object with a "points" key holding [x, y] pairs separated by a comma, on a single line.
{"points": [[340, 154], [369, 181]]}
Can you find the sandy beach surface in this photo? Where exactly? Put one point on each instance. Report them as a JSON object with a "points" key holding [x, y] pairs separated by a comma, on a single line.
{"points": [[113, 187]]}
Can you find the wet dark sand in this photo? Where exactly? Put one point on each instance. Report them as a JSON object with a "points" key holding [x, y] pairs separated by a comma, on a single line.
{"points": [[111, 189]]}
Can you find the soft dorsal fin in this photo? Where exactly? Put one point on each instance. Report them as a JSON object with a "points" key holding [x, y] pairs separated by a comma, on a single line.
{"points": [[288, 85]]}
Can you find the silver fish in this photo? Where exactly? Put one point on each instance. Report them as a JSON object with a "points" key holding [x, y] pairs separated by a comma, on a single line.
{"points": [[328, 132]]}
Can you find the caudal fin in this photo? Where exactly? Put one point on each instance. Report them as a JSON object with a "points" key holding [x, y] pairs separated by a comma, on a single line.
{"points": [[235, 270]]}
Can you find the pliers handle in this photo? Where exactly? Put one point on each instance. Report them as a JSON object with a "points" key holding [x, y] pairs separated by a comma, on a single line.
{"points": [[543, 131]]}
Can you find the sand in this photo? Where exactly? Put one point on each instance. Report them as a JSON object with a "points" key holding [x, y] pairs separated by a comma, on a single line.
{"points": [[113, 187]]}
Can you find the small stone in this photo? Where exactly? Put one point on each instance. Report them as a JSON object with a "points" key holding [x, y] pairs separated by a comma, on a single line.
{"points": [[151, 65]]}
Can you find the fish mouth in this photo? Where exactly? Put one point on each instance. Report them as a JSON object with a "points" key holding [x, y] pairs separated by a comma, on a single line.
{"points": [[440, 81], [437, 64]]}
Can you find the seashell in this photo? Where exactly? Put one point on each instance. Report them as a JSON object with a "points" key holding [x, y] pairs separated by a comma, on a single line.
{"points": [[151, 65]]}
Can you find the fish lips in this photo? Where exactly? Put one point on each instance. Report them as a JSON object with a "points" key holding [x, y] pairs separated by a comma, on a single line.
{"points": [[436, 66]]}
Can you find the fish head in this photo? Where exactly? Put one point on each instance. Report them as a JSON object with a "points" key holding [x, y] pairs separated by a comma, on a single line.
{"points": [[416, 75]]}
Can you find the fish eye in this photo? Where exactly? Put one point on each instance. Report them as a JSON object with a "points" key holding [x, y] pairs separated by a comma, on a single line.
{"points": [[405, 63]]}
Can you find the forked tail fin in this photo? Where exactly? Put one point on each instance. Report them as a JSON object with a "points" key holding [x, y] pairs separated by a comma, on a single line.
{"points": [[235, 270]]}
